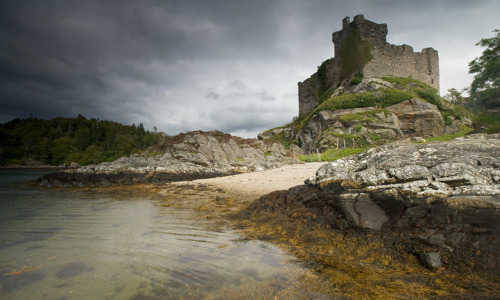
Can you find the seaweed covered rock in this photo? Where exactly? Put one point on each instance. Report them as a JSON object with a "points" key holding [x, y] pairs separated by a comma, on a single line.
{"points": [[186, 156]]}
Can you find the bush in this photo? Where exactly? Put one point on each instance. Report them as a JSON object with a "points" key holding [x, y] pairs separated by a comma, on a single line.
{"points": [[489, 120], [430, 95], [358, 77]]}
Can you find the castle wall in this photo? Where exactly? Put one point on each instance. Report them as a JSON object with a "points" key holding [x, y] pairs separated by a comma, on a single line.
{"points": [[308, 89], [307, 94], [402, 61]]}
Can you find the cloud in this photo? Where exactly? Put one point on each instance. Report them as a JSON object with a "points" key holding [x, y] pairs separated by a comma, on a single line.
{"points": [[216, 64]]}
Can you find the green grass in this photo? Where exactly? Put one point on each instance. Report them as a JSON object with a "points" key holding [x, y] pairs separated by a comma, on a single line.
{"points": [[382, 98], [331, 154], [448, 137], [334, 154], [404, 82]]}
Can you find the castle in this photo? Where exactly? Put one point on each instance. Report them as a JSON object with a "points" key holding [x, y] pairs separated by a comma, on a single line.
{"points": [[361, 51]]}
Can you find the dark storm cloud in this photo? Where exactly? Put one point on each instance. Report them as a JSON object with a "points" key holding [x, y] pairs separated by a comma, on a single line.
{"points": [[186, 65], [58, 56]]}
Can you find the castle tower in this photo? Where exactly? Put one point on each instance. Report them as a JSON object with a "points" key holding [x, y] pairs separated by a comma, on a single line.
{"points": [[366, 29], [384, 59]]}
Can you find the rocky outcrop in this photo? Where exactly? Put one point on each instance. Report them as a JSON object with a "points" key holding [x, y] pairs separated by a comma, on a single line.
{"points": [[183, 157], [361, 127], [367, 126], [454, 185], [356, 127], [418, 118]]}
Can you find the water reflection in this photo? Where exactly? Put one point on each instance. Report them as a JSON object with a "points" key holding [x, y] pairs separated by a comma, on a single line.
{"points": [[56, 244]]}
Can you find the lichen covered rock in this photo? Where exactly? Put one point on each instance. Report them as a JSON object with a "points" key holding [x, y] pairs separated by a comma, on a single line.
{"points": [[183, 157], [453, 184]]}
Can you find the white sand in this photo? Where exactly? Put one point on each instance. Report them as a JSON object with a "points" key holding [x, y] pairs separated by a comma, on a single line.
{"points": [[249, 186]]}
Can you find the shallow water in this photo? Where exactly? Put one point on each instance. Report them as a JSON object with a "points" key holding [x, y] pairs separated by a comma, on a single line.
{"points": [[57, 244]]}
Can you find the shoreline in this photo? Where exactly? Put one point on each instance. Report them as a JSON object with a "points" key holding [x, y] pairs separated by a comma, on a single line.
{"points": [[46, 167], [251, 186]]}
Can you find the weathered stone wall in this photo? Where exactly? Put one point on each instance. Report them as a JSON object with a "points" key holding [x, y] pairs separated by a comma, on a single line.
{"points": [[307, 94], [308, 89], [367, 30], [402, 61]]}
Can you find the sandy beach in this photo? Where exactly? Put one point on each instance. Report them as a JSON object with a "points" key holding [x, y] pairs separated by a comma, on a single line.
{"points": [[250, 186]]}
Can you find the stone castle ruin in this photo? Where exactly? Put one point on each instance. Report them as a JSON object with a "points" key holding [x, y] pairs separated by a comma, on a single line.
{"points": [[361, 52]]}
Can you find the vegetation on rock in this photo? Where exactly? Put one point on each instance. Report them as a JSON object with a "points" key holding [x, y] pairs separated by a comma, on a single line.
{"points": [[65, 140], [360, 124], [407, 88]]}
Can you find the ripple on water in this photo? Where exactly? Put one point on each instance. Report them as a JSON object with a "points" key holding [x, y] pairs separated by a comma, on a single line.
{"points": [[72, 269]]}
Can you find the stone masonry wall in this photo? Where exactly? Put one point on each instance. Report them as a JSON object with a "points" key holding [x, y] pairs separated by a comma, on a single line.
{"points": [[308, 89], [401, 61]]}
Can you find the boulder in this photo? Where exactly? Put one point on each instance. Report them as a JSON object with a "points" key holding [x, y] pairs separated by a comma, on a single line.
{"points": [[431, 260], [418, 118]]}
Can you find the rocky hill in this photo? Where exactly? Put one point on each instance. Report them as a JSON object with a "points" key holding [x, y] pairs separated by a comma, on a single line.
{"points": [[369, 113], [186, 156]]}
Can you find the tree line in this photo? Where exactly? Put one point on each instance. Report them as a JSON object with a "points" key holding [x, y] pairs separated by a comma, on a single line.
{"points": [[65, 140]]}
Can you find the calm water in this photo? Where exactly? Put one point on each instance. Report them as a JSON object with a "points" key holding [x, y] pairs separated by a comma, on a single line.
{"points": [[76, 245]]}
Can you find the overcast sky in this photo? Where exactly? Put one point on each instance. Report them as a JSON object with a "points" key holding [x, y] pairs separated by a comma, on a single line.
{"points": [[209, 64]]}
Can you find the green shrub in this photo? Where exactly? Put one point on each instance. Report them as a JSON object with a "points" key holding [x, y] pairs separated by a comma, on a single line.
{"points": [[448, 120], [430, 95], [323, 77], [489, 120], [358, 77]]}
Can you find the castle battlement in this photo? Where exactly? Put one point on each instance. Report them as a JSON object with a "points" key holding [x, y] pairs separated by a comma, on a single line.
{"points": [[385, 60]]}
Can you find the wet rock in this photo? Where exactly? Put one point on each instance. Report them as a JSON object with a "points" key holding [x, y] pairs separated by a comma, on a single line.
{"points": [[431, 260]]}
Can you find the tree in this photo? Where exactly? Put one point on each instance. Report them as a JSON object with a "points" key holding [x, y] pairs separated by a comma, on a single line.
{"points": [[487, 66], [454, 96]]}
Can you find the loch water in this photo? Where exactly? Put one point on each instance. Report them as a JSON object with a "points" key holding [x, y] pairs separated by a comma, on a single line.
{"points": [[60, 244]]}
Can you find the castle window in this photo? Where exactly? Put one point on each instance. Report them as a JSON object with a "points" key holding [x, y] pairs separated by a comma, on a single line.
{"points": [[373, 32], [432, 81]]}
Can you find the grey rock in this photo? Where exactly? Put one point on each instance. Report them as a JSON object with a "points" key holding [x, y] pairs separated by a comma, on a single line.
{"points": [[186, 156], [431, 260], [453, 184]]}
